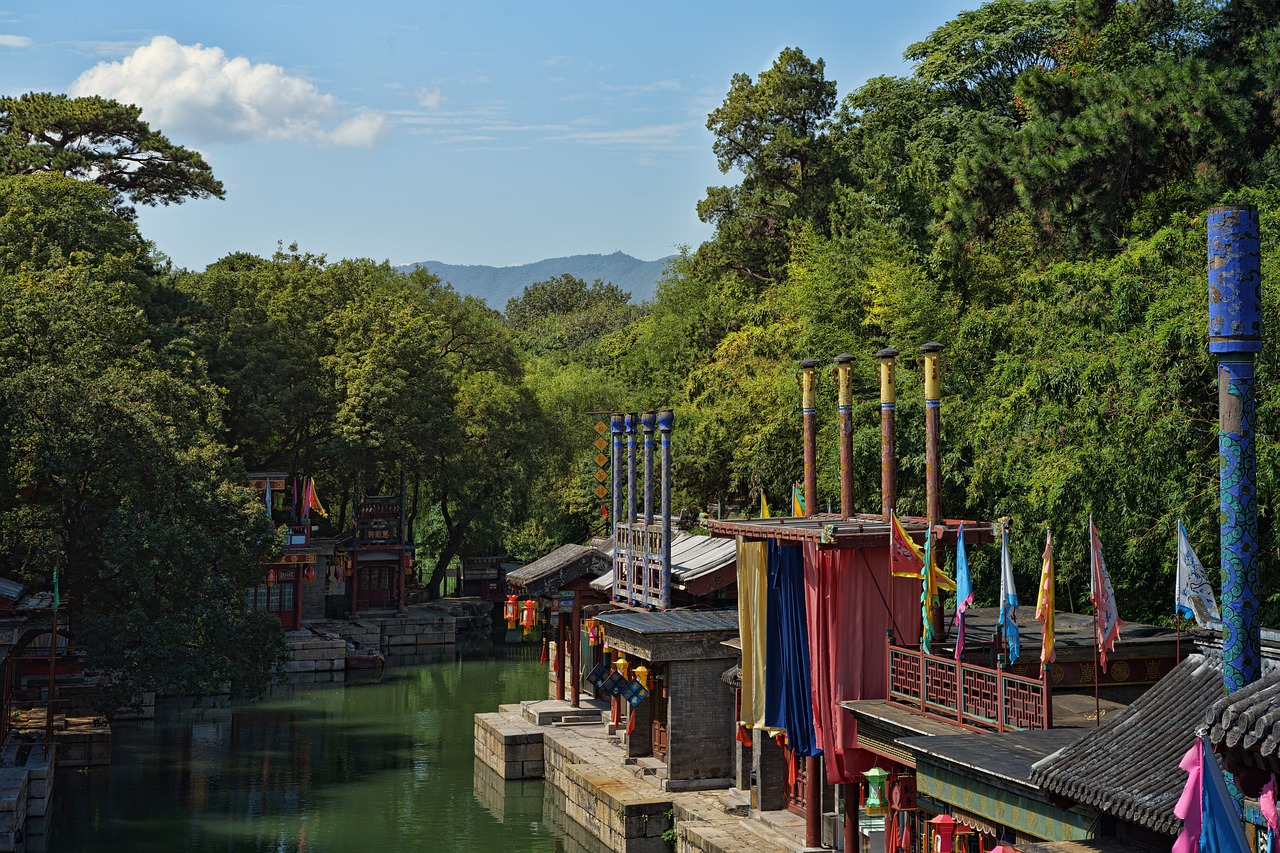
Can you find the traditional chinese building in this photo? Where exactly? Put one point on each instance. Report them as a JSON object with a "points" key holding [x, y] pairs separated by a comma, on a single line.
{"points": [[279, 592]]}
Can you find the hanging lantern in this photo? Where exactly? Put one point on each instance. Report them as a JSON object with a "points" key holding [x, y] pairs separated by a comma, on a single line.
{"points": [[622, 665], [349, 572], [877, 803], [511, 612], [271, 577], [642, 675], [310, 573], [529, 617]]}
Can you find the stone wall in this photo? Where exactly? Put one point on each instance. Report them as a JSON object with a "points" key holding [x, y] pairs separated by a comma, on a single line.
{"points": [[606, 801], [509, 747], [312, 653], [700, 722]]}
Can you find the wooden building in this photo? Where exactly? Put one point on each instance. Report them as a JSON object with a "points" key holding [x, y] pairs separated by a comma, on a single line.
{"points": [[279, 592]]}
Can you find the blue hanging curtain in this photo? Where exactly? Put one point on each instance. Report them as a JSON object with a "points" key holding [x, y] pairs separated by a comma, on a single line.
{"points": [[787, 704]]}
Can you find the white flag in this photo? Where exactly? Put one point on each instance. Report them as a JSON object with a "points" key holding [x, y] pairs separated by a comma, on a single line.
{"points": [[1192, 579]]}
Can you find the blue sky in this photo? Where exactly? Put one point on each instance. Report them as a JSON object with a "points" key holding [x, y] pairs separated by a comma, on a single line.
{"points": [[469, 133]]}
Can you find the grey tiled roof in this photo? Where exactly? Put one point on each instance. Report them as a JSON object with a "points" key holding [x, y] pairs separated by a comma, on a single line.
{"points": [[565, 564], [1129, 766], [1249, 718]]}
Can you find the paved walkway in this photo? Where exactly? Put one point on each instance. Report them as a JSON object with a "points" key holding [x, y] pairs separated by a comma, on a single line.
{"points": [[582, 757]]}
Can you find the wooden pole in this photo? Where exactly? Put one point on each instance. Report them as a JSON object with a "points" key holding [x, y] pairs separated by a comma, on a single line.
{"points": [[576, 681], [48, 710], [560, 640]]}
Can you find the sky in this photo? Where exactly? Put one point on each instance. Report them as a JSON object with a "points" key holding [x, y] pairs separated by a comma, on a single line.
{"points": [[464, 132]]}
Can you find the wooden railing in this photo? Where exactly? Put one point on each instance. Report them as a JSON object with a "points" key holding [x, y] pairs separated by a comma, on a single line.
{"points": [[975, 697]]}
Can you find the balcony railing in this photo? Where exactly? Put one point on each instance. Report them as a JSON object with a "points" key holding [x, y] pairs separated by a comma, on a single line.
{"points": [[975, 697]]}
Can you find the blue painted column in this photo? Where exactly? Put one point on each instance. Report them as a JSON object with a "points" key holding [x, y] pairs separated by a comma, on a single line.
{"points": [[619, 545], [666, 420], [1235, 336], [633, 428], [647, 422]]}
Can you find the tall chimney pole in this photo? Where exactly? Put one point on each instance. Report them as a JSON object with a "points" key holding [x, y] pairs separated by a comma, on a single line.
{"points": [[619, 544], [1235, 336], [633, 582], [888, 457], [808, 392], [843, 373], [808, 377], [666, 420], [933, 431], [646, 424]]}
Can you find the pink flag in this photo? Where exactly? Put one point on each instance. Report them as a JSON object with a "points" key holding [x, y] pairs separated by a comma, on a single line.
{"points": [[1188, 807], [1109, 622]]}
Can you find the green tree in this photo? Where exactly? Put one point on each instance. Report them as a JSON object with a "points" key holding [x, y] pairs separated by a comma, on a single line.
{"points": [[103, 141], [772, 130]]}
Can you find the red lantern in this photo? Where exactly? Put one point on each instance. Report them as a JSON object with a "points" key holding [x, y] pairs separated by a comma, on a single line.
{"points": [[530, 616], [511, 611], [310, 574], [271, 577]]}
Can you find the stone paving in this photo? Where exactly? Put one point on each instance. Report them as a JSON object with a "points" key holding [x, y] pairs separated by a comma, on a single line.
{"points": [[620, 801]]}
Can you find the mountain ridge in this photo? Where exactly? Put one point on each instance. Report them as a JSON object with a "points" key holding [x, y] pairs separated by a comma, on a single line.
{"points": [[496, 285]]}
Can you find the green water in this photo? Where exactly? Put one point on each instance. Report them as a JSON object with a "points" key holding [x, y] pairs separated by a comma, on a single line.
{"points": [[381, 768]]}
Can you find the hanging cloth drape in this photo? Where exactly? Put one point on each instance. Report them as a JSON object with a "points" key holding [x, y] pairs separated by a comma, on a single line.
{"points": [[847, 599], [786, 670], [753, 584]]}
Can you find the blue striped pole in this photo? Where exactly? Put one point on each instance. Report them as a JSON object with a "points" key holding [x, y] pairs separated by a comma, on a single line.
{"points": [[1235, 336]]}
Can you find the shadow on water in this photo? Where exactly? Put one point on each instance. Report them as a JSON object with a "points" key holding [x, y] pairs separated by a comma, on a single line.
{"points": [[384, 767]]}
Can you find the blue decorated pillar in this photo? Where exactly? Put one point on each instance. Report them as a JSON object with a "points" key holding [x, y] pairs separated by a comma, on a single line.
{"points": [[666, 420], [1235, 336], [619, 544]]}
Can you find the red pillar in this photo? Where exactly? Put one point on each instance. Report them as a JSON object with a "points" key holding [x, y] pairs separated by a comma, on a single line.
{"points": [[576, 675], [560, 640]]}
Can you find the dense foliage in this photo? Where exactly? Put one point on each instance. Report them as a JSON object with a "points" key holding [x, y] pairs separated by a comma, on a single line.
{"points": [[1032, 196]]}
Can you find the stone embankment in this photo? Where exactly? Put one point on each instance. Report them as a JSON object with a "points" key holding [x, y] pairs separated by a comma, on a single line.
{"points": [[321, 650], [617, 800]]}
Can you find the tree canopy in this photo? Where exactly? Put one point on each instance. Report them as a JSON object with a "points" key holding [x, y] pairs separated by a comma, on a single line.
{"points": [[100, 140]]}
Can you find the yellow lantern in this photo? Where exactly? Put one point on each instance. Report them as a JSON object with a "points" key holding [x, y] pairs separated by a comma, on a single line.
{"points": [[622, 665], [642, 675]]}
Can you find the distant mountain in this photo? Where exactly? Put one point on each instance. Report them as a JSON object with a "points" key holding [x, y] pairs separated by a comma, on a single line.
{"points": [[498, 284]]}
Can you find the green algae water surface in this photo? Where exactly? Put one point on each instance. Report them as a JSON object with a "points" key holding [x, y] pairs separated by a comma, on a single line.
{"points": [[360, 768]]}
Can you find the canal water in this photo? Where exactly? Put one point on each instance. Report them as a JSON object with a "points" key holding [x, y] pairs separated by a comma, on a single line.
{"points": [[375, 767]]}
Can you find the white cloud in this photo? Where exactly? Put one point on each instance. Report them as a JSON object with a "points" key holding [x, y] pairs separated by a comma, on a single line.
{"points": [[200, 91], [429, 98], [14, 41]]}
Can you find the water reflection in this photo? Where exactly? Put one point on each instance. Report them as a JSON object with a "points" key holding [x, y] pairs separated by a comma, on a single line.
{"points": [[382, 767]]}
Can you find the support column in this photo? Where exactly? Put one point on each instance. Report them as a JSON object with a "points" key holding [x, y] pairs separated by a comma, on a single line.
{"points": [[851, 817], [813, 769], [843, 374], [888, 453], [808, 377], [575, 681], [1235, 336], [560, 642], [617, 426], [666, 420], [632, 582], [770, 764], [933, 431], [647, 420]]}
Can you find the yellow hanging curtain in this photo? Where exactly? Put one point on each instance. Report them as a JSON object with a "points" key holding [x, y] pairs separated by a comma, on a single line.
{"points": [[752, 596]]}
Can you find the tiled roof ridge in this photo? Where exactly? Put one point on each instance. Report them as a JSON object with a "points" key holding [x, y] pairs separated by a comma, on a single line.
{"points": [[1091, 772]]}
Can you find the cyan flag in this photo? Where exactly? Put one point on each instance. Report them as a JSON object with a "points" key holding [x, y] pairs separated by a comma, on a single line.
{"points": [[964, 589], [1008, 598]]}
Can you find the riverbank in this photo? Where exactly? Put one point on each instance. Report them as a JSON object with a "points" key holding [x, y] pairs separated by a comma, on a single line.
{"points": [[618, 800]]}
